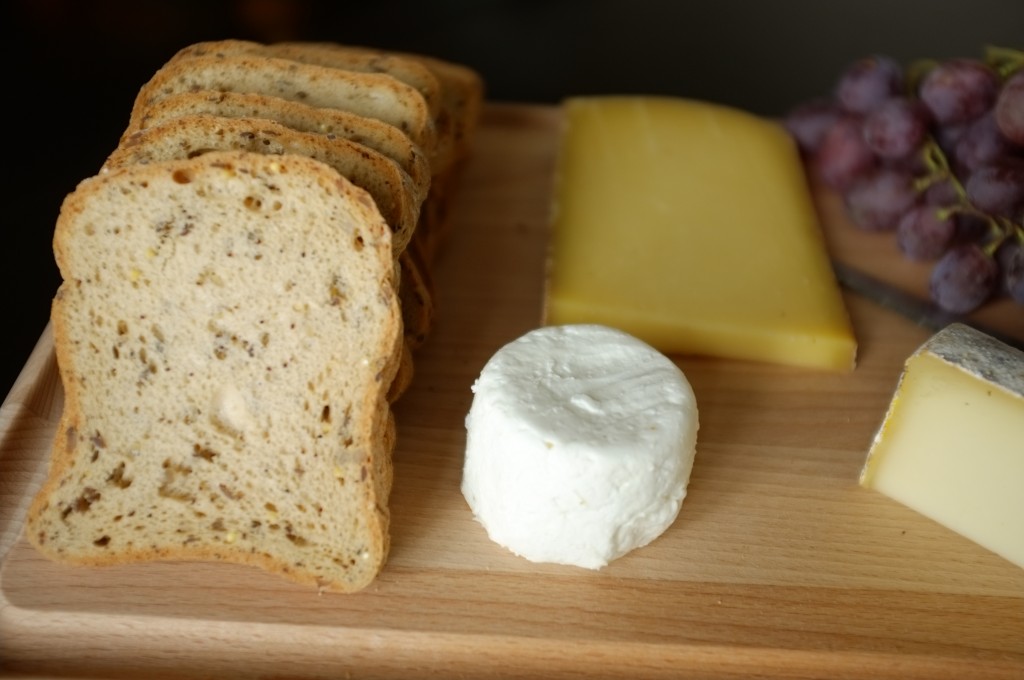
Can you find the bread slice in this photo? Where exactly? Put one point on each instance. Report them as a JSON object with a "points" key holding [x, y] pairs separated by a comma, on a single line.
{"points": [[463, 92], [454, 94], [404, 375], [408, 71], [398, 199], [462, 96], [461, 88], [369, 132], [191, 135], [226, 331], [416, 294], [374, 95]]}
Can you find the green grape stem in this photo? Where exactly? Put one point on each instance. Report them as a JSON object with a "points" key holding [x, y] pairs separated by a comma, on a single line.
{"points": [[1012, 231], [1000, 228], [915, 73], [1005, 60]]}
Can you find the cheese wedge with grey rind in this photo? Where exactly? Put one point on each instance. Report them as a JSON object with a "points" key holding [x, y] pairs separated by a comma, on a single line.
{"points": [[951, 446]]}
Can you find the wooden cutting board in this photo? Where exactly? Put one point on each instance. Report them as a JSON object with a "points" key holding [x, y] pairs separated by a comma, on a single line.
{"points": [[779, 565]]}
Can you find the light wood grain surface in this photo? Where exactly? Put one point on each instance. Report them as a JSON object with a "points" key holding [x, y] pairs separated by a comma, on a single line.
{"points": [[779, 565]]}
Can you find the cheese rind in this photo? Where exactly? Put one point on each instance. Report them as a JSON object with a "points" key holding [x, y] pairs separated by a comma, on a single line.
{"points": [[951, 445], [690, 226], [580, 441]]}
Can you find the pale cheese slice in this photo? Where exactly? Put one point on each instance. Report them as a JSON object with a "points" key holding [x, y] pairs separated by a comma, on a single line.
{"points": [[691, 226], [952, 443]]}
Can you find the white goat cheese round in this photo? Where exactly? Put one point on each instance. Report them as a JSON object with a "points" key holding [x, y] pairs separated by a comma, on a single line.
{"points": [[580, 441]]}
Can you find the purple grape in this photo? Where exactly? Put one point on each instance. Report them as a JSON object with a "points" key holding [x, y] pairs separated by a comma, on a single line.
{"points": [[963, 279], [912, 164], [947, 137], [809, 122], [941, 193], [1010, 257], [981, 144], [879, 201], [959, 90], [875, 142], [970, 228], [843, 156], [999, 188], [868, 82], [925, 233], [897, 127], [1009, 109]]}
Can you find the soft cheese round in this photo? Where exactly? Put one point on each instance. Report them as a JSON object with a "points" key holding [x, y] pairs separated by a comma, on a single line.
{"points": [[580, 441]]}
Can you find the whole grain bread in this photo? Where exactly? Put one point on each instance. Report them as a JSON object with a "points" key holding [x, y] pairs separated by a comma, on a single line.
{"points": [[408, 71], [390, 188], [397, 197], [454, 94], [462, 91], [374, 95], [369, 132], [455, 118], [461, 88], [417, 296], [227, 331], [219, 403]]}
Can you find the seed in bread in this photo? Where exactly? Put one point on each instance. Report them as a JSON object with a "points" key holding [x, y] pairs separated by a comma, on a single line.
{"points": [[226, 331]]}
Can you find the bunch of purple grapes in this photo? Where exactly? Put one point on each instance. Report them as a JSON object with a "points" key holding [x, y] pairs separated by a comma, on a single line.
{"points": [[934, 153]]}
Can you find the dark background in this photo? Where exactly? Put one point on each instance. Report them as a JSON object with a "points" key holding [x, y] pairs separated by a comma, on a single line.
{"points": [[73, 69]]}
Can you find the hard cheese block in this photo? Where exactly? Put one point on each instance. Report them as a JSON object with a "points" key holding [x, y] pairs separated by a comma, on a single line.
{"points": [[952, 444], [691, 226]]}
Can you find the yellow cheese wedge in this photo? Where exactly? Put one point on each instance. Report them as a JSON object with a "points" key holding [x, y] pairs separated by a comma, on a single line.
{"points": [[691, 226], [952, 444]]}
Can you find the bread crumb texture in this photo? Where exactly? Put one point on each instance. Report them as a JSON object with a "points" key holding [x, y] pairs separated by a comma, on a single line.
{"points": [[227, 330]]}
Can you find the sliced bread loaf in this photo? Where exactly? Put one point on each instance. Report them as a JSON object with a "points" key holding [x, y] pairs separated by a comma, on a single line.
{"points": [[408, 71], [370, 132], [187, 136], [227, 331], [398, 199], [462, 91], [461, 88], [462, 96], [417, 296], [453, 94], [455, 118], [374, 95]]}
